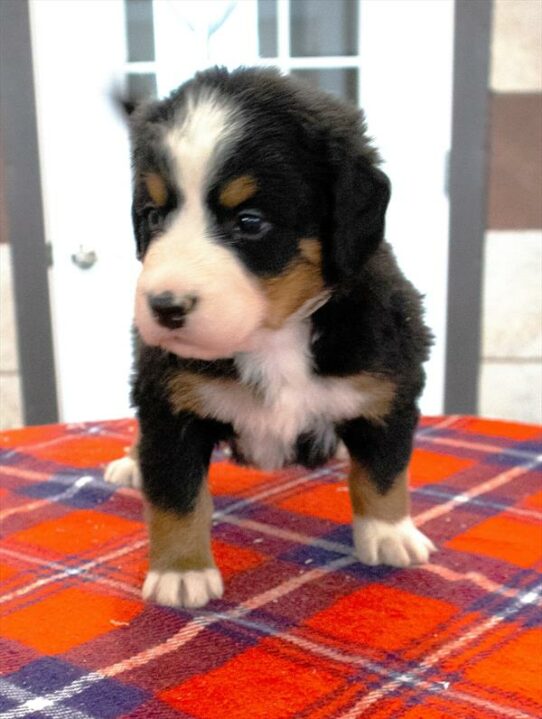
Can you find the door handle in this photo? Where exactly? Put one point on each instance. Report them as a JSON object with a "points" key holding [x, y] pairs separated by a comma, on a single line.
{"points": [[84, 258]]}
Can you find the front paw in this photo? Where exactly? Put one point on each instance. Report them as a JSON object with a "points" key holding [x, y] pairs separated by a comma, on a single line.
{"points": [[397, 544], [123, 471], [191, 589]]}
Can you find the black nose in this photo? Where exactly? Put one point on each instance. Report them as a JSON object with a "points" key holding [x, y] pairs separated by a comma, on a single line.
{"points": [[170, 311]]}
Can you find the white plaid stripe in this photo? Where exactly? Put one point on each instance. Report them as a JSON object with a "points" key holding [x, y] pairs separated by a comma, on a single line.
{"points": [[66, 571], [181, 638], [68, 493], [483, 447], [405, 679], [30, 703], [472, 634], [259, 528], [483, 488]]}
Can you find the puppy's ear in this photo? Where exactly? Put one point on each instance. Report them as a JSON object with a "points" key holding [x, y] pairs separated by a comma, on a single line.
{"points": [[360, 196]]}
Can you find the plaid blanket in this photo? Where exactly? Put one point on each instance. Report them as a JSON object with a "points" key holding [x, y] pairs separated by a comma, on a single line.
{"points": [[303, 629]]}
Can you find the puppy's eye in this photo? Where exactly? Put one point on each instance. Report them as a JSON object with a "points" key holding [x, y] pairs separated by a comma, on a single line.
{"points": [[154, 219], [250, 225]]}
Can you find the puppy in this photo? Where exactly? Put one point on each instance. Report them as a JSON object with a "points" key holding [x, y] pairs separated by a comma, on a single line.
{"points": [[270, 314]]}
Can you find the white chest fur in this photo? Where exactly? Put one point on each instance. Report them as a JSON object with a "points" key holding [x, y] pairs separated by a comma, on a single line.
{"points": [[279, 398]]}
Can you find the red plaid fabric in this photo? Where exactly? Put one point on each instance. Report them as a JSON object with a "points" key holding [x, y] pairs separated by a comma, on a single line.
{"points": [[303, 630]]}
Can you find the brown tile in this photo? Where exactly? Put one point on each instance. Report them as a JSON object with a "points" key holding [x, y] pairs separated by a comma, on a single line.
{"points": [[515, 162]]}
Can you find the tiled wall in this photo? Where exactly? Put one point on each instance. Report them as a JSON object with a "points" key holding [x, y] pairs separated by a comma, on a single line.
{"points": [[511, 371]]}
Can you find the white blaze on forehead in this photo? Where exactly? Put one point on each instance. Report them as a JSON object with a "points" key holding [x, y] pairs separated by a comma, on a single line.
{"points": [[197, 142], [186, 259]]}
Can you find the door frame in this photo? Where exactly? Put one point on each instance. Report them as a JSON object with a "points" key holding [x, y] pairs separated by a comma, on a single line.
{"points": [[468, 208], [25, 220]]}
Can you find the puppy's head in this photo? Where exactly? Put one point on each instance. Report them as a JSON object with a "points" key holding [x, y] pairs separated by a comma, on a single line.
{"points": [[252, 197]]}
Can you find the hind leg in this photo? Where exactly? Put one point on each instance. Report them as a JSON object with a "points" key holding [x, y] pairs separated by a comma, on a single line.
{"points": [[123, 471]]}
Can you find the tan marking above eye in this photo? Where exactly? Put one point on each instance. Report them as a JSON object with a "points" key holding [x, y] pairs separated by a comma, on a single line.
{"points": [[156, 187], [237, 191]]}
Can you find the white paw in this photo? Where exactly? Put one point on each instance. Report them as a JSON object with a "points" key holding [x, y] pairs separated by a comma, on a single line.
{"points": [[398, 544], [183, 589], [341, 453], [123, 471]]}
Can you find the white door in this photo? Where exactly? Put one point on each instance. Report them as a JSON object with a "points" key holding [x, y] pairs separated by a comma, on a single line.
{"points": [[393, 57], [78, 52]]}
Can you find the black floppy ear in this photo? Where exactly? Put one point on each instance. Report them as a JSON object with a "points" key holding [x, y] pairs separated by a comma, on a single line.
{"points": [[361, 194]]}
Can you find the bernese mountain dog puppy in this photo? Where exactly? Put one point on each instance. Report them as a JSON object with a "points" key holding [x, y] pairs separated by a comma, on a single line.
{"points": [[270, 315]]}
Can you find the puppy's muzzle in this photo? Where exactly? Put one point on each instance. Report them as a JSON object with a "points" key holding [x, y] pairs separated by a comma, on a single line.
{"points": [[170, 311]]}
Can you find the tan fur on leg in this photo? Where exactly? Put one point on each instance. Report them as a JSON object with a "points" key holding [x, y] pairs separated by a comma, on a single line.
{"points": [[181, 542], [182, 569], [368, 501], [384, 532]]}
